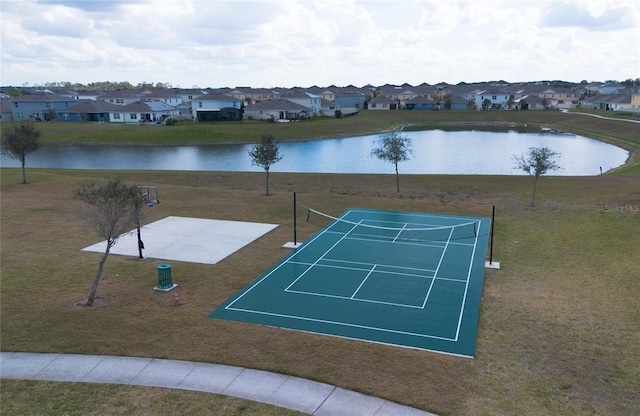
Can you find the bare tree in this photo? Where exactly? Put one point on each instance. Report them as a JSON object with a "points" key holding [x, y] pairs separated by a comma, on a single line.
{"points": [[19, 141], [114, 210], [538, 161], [394, 148], [265, 153]]}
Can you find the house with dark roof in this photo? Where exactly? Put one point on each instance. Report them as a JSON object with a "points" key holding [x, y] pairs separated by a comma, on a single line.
{"points": [[420, 102], [89, 110], [216, 107], [277, 109], [305, 99]]}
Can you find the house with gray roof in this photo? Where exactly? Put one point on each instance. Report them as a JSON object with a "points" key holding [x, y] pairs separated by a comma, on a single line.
{"points": [[277, 109], [142, 111], [39, 106], [420, 102], [305, 99], [383, 103], [216, 107], [89, 110]]}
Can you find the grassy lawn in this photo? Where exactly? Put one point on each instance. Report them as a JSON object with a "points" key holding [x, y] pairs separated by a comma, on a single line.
{"points": [[559, 324]]}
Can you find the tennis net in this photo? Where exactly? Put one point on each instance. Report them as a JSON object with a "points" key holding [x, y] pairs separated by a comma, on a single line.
{"points": [[407, 234]]}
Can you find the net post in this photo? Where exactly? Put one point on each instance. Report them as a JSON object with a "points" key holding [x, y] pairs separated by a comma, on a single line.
{"points": [[493, 218], [295, 223]]}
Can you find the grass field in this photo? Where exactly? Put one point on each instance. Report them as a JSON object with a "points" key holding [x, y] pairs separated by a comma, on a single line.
{"points": [[559, 324]]}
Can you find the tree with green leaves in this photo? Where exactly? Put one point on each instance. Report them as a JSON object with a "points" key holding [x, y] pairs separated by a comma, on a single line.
{"points": [[114, 209], [20, 140], [265, 153], [394, 148], [538, 161]]}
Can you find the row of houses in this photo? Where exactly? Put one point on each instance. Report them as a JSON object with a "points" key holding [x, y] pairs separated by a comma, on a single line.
{"points": [[227, 104]]}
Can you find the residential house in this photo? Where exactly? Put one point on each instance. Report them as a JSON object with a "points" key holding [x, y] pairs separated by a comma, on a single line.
{"points": [[306, 99], [253, 95], [216, 107], [420, 103], [611, 88], [88, 110], [529, 102], [328, 108], [39, 106], [5, 110], [277, 109], [170, 97], [635, 103], [142, 111], [497, 99], [458, 103], [349, 100], [123, 97], [383, 103]]}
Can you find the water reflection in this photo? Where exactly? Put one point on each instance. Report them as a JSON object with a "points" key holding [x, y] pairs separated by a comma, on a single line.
{"points": [[436, 152]]}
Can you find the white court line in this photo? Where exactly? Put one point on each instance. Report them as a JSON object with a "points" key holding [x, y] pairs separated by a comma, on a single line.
{"points": [[363, 281], [319, 258], [435, 275], [324, 321], [420, 276], [380, 302], [399, 232], [466, 287]]}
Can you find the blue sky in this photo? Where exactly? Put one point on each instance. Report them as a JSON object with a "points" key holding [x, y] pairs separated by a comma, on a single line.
{"points": [[286, 43]]}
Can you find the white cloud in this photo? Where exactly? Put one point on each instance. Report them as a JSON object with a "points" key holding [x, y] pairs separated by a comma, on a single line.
{"points": [[300, 42]]}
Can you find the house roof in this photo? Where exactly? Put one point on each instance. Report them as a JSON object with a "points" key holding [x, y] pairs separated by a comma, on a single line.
{"points": [[145, 105], [277, 104], [420, 99], [92, 106], [215, 97], [42, 98]]}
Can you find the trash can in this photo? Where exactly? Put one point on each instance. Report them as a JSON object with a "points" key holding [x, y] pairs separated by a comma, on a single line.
{"points": [[165, 281]]}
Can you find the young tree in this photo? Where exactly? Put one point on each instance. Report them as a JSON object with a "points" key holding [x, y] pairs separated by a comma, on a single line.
{"points": [[394, 148], [19, 141], [538, 161], [114, 210], [265, 153]]}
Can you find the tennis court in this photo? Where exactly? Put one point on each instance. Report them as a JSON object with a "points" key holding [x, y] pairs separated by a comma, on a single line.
{"points": [[400, 278]]}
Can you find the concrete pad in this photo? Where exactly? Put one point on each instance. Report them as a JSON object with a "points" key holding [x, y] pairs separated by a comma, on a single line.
{"points": [[302, 395], [163, 373], [195, 240], [345, 402], [118, 370], [255, 385], [291, 244], [213, 378], [24, 365], [492, 265], [69, 367]]}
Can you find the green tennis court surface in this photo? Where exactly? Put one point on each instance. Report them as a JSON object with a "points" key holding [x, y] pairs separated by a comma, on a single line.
{"points": [[399, 278]]}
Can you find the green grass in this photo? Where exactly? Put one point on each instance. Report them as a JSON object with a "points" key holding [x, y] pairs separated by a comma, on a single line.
{"points": [[559, 322], [22, 397]]}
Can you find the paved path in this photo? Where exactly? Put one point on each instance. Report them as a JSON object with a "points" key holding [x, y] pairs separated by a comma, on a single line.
{"points": [[602, 117], [278, 389]]}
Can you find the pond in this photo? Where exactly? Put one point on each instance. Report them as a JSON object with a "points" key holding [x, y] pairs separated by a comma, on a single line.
{"points": [[470, 152]]}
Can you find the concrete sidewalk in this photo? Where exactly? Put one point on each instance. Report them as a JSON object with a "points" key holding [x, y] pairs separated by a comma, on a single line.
{"points": [[277, 389]]}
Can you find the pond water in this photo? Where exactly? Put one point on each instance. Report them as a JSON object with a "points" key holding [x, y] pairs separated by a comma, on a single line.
{"points": [[435, 152]]}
